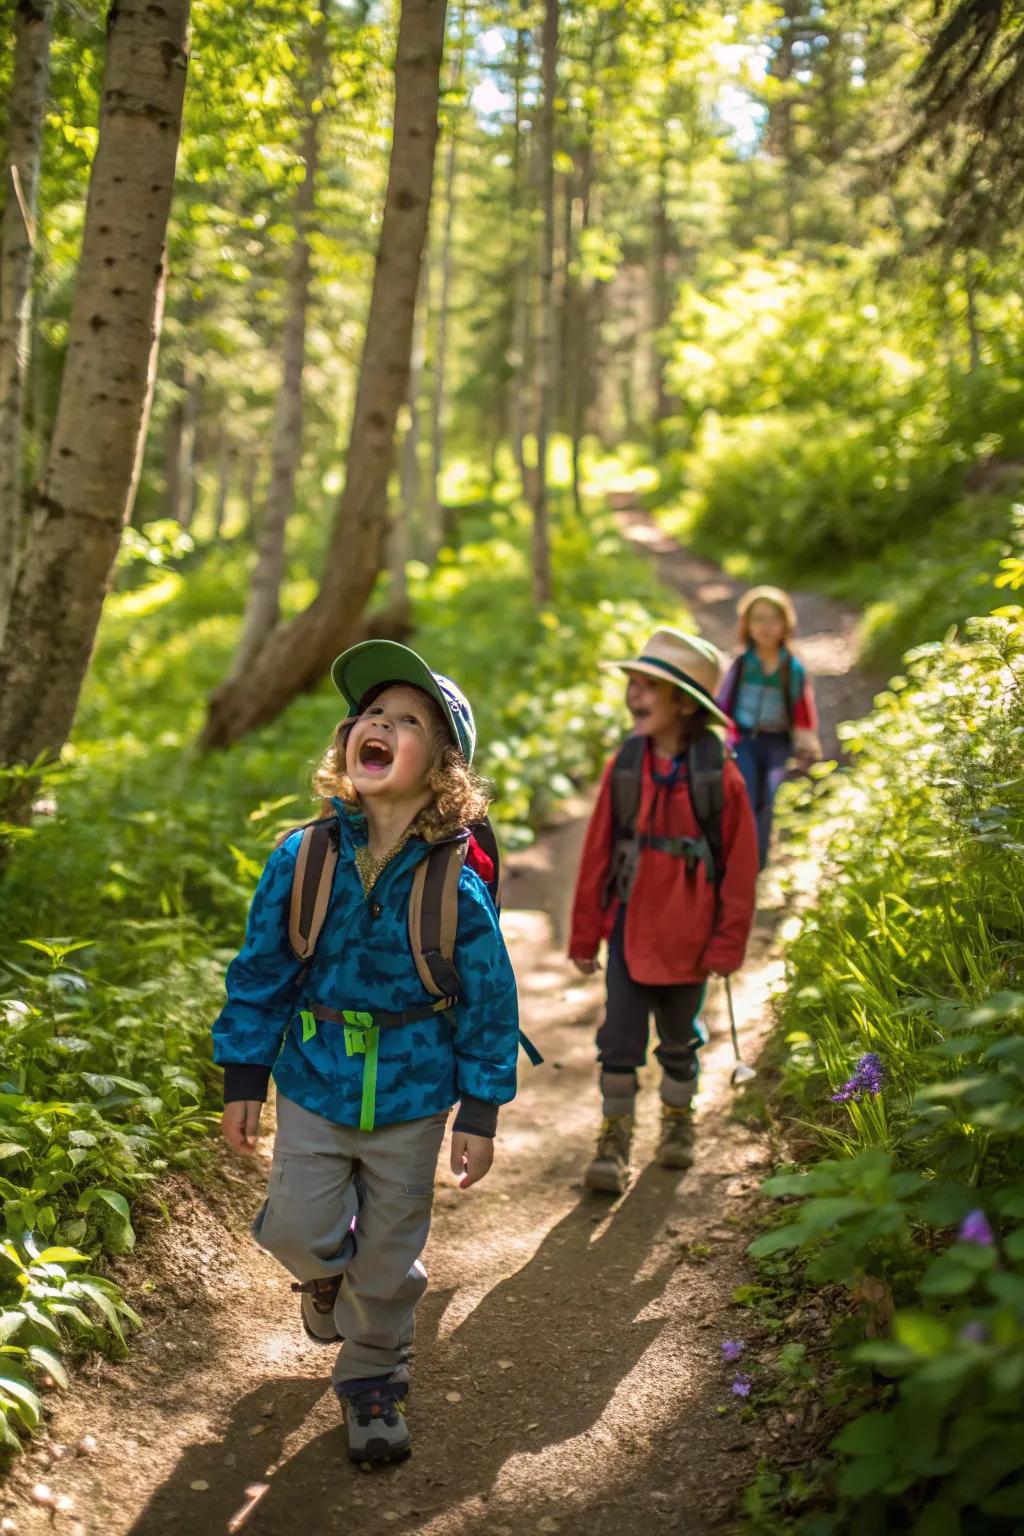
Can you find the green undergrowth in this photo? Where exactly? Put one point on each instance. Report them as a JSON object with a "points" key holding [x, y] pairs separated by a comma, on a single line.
{"points": [[902, 1083], [128, 895], [912, 581]]}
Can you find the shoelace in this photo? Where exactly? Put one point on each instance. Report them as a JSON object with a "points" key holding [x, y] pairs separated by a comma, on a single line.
{"points": [[378, 1402]]}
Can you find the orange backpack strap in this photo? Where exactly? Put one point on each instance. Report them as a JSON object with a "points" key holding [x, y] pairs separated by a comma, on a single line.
{"points": [[434, 917], [311, 885]]}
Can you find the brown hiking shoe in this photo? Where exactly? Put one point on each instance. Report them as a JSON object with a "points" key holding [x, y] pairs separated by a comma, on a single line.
{"points": [[609, 1170], [675, 1148], [318, 1298]]}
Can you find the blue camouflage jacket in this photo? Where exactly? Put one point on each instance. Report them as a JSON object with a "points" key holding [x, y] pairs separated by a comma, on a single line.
{"points": [[363, 962]]}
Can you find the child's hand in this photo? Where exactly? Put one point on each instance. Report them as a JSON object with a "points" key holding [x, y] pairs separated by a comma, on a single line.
{"points": [[472, 1156], [587, 967], [240, 1123]]}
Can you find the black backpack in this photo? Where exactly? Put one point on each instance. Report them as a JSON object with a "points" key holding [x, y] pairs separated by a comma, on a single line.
{"points": [[705, 763]]}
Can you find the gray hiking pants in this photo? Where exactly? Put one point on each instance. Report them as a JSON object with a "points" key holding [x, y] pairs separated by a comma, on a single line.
{"points": [[355, 1203]]}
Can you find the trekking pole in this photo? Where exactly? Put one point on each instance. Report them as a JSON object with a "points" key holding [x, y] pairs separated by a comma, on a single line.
{"points": [[741, 1073]]}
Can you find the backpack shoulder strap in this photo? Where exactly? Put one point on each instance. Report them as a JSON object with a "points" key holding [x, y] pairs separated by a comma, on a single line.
{"points": [[732, 685], [434, 917], [311, 885], [487, 839], [707, 793], [627, 782], [787, 675]]}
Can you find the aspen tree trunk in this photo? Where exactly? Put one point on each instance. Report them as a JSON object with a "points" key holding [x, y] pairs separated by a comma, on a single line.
{"points": [[438, 530], [185, 479], [661, 285], [17, 258], [406, 515], [225, 465], [297, 654], [518, 383], [546, 337], [89, 481], [263, 602], [579, 384]]}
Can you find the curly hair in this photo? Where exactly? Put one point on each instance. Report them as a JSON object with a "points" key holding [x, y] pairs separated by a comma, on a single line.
{"points": [[459, 796]]}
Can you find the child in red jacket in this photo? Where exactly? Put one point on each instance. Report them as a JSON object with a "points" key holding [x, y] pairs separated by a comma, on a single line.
{"points": [[671, 914]]}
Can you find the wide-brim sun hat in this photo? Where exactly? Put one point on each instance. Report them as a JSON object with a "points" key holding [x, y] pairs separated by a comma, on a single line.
{"points": [[685, 661], [374, 664]]}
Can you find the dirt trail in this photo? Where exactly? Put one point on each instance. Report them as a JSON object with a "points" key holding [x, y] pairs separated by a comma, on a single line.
{"points": [[569, 1375]]}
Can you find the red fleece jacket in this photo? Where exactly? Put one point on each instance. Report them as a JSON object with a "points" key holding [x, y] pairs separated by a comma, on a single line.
{"points": [[676, 931]]}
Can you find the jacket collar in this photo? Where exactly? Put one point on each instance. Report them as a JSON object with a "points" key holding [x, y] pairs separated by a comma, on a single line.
{"points": [[354, 832]]}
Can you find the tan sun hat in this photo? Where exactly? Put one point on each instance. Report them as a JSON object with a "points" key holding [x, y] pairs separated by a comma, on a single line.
{"points": [[687, 661]]}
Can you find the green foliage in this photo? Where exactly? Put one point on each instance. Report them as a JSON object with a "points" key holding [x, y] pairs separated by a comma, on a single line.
{"points": [[833, 427], [915, 953]]}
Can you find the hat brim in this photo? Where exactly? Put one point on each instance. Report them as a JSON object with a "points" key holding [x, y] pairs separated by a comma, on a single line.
{"points": [[638, 664], [375, 663]]}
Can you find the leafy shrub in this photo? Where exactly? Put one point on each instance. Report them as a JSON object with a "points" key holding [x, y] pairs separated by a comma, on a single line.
{"points": [[913, 961]]}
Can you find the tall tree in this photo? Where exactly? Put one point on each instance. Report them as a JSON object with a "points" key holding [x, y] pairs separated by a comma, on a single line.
{"points": [[297, 654], [519, 374], [546, 327], [89, 482], [263, 604], [17, 249], [437, 532]]}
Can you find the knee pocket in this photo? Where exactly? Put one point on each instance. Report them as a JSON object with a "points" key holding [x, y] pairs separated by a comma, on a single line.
{"points": [[302, 1218]]}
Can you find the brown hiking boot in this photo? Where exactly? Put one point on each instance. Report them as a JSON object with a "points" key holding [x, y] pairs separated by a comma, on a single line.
{"points": [[609, 1170], [318, 1298], [675, 1148]]}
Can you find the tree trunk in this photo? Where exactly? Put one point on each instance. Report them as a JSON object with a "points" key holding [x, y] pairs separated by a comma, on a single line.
{"points": [[518, 389], [296, 655], [225, 465], [406, 515], [546, 329], [581, 319], [90, 478], [662, 282], [263, 603], [17, 254], [973, 332], [185, 509], [439, 531]]}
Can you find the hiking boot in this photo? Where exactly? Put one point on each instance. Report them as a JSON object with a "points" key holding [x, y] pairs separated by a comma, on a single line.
{"points": [[317, 1308], [609, 1170], [675, 1148], [375, 1420]]}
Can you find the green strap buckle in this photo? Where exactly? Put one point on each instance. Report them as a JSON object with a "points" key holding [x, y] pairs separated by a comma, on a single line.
{"points": [[362, 1038]]}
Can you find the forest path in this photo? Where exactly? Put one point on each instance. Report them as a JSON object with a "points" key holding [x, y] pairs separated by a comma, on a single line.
{"points": [[569, 1375]]}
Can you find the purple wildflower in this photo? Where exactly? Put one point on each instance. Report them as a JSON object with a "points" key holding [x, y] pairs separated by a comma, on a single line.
{"points": [[732, 1349], [868, 1077], [975, 1229], [973, 1333], [741, 1386]]}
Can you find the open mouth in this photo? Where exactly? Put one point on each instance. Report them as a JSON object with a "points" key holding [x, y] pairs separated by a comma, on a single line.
{"points": [[375, 755]]}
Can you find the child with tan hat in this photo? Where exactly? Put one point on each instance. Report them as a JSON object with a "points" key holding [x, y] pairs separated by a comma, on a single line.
{"points": [[768, 695], [667, 879]]}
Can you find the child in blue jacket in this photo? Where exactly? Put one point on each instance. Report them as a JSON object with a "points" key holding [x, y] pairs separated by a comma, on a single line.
{"points": [[361, 1113]]}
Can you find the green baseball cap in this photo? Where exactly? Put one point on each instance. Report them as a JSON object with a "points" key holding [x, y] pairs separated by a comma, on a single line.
{"points": [[376, 663]]}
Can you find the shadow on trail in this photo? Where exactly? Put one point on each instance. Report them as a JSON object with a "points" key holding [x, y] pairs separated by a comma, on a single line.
{"points": [[567, 1322]]}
